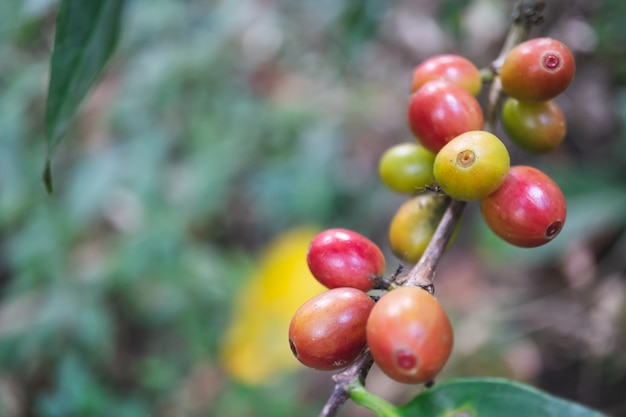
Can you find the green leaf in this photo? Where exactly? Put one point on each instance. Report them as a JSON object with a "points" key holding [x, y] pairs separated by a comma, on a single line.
{"points": [[490, 397], [86, 36]]}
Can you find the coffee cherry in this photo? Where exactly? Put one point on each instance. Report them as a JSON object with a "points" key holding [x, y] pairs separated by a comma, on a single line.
{"points": [[407, 168], [453, 68], [409, 335], [414, 225], [343, 258], [328, 331], [537, 127], [528, 209], [440, 111], [471, 166], [537, 70]]}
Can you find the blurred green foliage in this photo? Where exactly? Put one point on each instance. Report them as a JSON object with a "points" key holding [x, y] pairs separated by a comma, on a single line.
{"points": [[217, 126], [116, 288]]}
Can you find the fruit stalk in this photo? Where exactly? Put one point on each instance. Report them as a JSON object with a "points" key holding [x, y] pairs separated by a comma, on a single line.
{"points": [[421, 275], [372, 402], [525, 14], [355, 373]]}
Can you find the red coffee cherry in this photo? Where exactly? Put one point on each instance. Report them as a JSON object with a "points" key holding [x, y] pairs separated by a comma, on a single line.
{"points": [[537, 70], [472, 165], [453, 68], [343, 258], [537, 127], [328, 331], [528, 209], [407, 168], [439, 111], [409, 335]]}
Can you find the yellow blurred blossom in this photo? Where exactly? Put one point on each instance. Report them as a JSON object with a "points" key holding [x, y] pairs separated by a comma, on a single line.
{"points": [[256, 345]]}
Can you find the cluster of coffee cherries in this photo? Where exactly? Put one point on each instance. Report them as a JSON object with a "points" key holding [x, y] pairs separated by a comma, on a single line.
{"points": [[406, 330], [454, 156]]}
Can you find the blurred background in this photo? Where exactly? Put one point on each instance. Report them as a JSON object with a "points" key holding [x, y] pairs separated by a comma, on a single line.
{"points": [[160, 277]]}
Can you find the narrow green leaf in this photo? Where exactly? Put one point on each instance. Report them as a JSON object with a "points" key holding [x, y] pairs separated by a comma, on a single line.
{"points": [[86, 36], [490, 397]]}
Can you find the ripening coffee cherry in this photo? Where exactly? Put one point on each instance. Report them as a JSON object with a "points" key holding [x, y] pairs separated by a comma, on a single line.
{"points": [[407, 168], [454, 68], [537, 127], [409, 335], [472, 165], [343, 258], [537, 70], [440, 111], [414, 225], [528, 209], [328, 331]]}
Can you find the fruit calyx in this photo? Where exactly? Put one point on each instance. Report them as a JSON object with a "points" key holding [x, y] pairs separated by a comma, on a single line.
{"points": [[466, 158], [551, 61]]}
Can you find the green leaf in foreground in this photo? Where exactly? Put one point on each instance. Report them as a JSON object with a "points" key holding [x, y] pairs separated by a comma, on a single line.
{"points": [[490, 397], [86, 36]]}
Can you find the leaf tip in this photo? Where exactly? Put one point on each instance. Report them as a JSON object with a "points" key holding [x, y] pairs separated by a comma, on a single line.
{"points": [[47, 177]]}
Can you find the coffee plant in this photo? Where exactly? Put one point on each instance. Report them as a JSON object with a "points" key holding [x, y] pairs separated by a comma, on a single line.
{"points": [[408, 333], [457, 157]]}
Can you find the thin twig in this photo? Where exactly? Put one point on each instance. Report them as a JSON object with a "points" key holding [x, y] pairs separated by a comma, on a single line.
{"points": [[422, 274], [525, 14], [357, 371]]}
